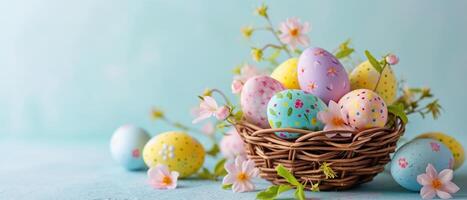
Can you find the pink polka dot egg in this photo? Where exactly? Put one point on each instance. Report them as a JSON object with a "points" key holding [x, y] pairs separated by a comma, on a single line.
{"points": [[256, 93], [363, 109]]}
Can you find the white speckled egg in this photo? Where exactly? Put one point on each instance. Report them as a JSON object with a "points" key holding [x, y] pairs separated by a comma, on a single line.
{"points": [[126, 146], [321, 74], [363, 109], [294, 109], [411, 160], [255, 96], [365, 76], [177, 150]]}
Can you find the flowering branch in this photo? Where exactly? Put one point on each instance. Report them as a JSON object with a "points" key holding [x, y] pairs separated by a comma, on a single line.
{"points": [[274, 32]]}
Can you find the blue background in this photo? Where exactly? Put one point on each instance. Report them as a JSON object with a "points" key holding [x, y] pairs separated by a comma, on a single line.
{"points": [[82, 68], [77, 70]]}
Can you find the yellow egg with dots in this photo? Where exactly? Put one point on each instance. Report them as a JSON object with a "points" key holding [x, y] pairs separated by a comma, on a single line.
{"points": [[453, 145], [177, 150], [286, 74], [365, 76]]}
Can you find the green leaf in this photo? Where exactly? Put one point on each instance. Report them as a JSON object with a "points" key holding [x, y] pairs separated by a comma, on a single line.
{"points": [[272, 112], [289, 95], [374, 62], [238, 115], [300, 193], [284, 173], [214, 150], [399, 111], [219, 169], [344, 53], [289, 112], [275, 54], [278, 124], [272, 192], [227, 187], [273, 57], [205, 174], [221, 124], [298, 51], [344, 50]]}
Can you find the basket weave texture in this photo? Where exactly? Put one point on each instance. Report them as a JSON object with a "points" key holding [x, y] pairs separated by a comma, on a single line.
{"points": [[355, 160]]}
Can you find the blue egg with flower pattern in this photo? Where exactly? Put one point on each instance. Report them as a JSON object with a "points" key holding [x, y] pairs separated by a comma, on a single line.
{"points": [[294, 109], [412, 159]]}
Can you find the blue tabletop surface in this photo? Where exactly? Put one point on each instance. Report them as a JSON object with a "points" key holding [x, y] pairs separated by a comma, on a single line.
{"points": [[36, 169]]}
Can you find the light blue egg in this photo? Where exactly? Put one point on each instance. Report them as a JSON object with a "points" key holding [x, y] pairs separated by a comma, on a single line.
{"points": [[294, 109], [126, 146], [412, 158]]}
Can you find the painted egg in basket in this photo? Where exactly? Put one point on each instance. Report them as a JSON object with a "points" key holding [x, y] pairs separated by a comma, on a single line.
{"points": [[384, 84], [294, 109], [363, 109], [321, 74], [255, 96]]}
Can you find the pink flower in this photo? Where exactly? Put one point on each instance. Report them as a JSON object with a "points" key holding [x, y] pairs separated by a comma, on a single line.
{"points": [[222, 113], [236, 86], [246, 72], [333, 120], [293, 32], [403, 162], [208, 129], [437, 184], [434, 146], [232, 145], [240, 174], [392, 59], [161, 178], [135, 153], [298, 103], [207, 108]]}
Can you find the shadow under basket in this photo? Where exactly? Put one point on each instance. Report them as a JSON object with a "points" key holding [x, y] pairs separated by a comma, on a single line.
{"points": [[355, 160]]}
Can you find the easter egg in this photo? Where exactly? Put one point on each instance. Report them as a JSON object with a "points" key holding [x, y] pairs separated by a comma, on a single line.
{"points": [[126, 146], [412, 159], [455, 146], [363, 109], [286, 73], [177, 150], [255, 96], [321, 74], [294, 109], [365, 76]]}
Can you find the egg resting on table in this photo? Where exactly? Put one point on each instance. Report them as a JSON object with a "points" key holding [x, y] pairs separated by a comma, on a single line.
{"points": [[363, 109], [294, 109], [454, 145], [321, 74], [365, 76], [126, 146], [412, 158], [256, 93], [177, 150], [286, 73]]}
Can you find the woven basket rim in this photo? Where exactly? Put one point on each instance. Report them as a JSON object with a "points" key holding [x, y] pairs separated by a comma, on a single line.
{"points": [[355, 159]]}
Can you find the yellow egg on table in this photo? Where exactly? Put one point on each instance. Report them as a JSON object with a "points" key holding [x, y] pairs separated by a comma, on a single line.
{"points": [[286, 74], [365, 76], [451, 142], [177, 150]]}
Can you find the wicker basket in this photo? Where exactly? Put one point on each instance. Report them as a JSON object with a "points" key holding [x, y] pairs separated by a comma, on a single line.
{"points": [[355, 160]]}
